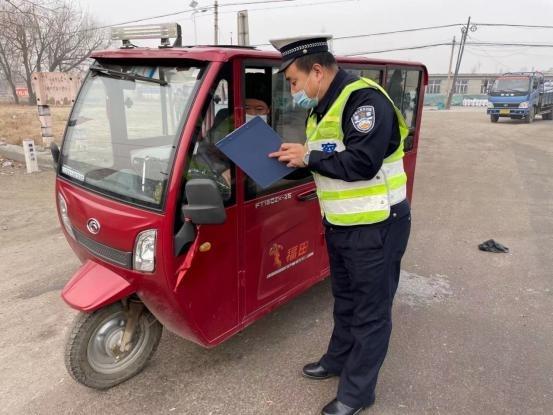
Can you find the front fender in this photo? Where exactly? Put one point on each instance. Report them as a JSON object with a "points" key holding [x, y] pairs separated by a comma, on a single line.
{"points": [[93, 286]]}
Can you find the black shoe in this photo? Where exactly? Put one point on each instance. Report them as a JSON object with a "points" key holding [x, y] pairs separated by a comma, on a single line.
{"points": [[338, 408], [316, 371]]}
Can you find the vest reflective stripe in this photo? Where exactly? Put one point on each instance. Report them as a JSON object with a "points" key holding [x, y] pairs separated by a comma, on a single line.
{"points": [[352, 219], [393, 185], [357, 205], [364, 201]]}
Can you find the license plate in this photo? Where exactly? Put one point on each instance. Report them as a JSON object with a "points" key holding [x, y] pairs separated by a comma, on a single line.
{"points": [[504, 112]]}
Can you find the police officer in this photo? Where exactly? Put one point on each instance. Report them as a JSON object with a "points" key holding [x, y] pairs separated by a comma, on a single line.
{"points": [[354, 149]]}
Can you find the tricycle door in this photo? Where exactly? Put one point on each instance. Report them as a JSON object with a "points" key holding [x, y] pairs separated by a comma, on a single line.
{"points": [[209, 289], [283, 235], [404, 87]]}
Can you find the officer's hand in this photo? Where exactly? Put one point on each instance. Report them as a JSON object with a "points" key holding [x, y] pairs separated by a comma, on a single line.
{"points": [[290, 153]]}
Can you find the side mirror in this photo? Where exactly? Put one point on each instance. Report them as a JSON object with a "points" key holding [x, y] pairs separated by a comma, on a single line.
{"points": [[205, 204], [54, 149]]}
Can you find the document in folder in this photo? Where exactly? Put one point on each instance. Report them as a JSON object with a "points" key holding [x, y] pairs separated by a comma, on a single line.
{"points": [[249, 146]]}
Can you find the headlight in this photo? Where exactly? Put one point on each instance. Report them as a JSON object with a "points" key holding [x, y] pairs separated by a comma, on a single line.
{"points": [[144, 258], [64, 216], [490, 104], [523, 104]]}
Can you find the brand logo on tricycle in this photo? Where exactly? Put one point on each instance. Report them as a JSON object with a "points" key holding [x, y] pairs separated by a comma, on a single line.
{"points": [[275, 253], [295, 255], [93, 226]]}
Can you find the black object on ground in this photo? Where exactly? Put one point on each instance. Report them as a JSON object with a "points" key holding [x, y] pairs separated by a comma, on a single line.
{"points": [[493, 246]]}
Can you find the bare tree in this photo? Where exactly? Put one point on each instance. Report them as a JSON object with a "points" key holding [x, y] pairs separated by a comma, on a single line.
{"points": [[35, 37], [9, 63], [75, 38]]}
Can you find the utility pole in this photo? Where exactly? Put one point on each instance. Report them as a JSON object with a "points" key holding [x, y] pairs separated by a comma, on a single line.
{"points": [[450, 65], [216, 23], [243, 28], [465, 30]]}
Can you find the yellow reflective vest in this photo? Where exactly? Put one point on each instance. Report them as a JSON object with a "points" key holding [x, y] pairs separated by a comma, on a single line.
{"points": [[360, 202]]}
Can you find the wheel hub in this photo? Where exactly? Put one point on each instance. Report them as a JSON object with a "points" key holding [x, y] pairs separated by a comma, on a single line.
{"points": [[104, 347]]}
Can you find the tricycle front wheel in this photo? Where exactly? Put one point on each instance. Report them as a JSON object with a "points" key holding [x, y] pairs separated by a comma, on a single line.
{"points": [[95, 354]]}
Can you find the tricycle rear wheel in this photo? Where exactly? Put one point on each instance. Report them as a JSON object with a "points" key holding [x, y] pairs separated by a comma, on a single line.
{"points": [[93, 353]]}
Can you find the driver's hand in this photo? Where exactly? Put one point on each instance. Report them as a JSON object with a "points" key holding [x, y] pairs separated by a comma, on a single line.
{"points": [[226, 176]]}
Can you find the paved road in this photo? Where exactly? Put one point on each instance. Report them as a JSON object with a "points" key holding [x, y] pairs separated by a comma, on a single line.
{"points": [[472, 331]]}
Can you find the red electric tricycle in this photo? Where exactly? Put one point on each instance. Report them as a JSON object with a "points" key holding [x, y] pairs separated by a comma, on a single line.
{"points": [[165, 238]]}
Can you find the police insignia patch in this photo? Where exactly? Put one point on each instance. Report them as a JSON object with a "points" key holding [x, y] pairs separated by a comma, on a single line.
{"points": [[363, 119], [328, 147]]}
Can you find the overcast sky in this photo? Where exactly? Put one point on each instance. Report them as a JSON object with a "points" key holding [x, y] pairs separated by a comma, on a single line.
{"points": [[356, 17]]}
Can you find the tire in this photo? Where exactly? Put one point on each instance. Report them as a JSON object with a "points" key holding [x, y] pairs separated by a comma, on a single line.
{"points": [[89, 357], [548, 115], [494, 118], [531, 115]]}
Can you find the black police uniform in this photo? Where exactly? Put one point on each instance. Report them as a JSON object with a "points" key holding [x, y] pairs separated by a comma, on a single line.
{"points": [[364, 260]]}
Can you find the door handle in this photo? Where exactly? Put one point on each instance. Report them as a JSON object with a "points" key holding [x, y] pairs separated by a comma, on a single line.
{"points": [[306, 196]]}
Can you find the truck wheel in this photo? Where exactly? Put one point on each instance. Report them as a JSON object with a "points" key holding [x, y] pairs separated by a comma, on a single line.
{"points": [[494, 118], [92, 351], [548, 115], [531, 115]]}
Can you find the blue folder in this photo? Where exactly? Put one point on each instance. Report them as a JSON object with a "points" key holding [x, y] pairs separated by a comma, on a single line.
{"points": [[249, 146]]}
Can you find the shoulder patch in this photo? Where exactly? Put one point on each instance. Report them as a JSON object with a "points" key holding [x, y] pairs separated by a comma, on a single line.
{"points": [[363, 118]]}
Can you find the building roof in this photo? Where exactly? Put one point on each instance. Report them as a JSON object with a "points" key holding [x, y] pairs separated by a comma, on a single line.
{"points": [[547, 74]]}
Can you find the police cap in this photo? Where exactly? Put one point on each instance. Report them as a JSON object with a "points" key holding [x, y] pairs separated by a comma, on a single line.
{"points": [[298, 46]]}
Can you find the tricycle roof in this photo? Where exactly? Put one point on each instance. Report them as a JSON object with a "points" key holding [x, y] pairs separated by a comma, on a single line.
{"points": [[223, 54]]}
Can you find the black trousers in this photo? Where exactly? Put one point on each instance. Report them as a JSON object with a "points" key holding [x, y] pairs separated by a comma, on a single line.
{"points": [[365, 266]]}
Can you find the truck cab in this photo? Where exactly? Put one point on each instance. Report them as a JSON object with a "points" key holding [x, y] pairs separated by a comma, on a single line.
{"points": [[520, 95]]}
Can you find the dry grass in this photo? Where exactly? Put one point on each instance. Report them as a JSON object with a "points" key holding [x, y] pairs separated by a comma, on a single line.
{"points": [[18, 122]]}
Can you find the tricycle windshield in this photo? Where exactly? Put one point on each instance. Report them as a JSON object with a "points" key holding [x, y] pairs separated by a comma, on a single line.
{"points": [[124, 128]]}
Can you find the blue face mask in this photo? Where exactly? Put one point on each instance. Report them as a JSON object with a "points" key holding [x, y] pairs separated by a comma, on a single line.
{"points": [[302, 99]]}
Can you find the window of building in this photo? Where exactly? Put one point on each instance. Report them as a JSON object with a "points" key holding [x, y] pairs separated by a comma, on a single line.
{"points": [[433, 86], [461, 86], [486, 85]]}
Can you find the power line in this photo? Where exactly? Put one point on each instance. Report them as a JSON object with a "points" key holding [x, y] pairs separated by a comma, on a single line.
{"points": [[417, 29], [431, 45], [399, 31], [529, 45], [515, 25], [517, 50], [477, 44], [143, 19], [284, 7]]}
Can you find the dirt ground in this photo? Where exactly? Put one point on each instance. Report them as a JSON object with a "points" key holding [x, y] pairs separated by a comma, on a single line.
{"points": [[473, 331], [18, 122]]}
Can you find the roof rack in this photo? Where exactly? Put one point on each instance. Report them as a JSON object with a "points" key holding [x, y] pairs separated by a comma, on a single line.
{"points": [[163, 31], [223, 46]]}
